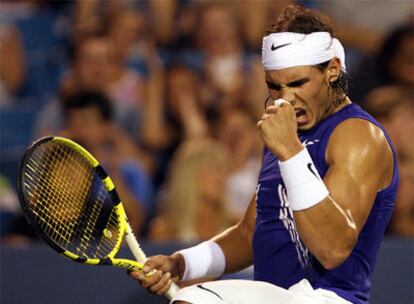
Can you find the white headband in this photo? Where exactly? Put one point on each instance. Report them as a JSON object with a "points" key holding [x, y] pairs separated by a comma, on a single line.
{"points": [[285, 50]]}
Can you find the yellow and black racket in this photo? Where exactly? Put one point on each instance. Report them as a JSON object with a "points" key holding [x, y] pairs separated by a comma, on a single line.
{"points": [[71, 202]]}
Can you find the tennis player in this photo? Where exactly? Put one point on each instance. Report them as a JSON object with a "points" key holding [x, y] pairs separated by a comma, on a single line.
{"points": [[325, 192]]}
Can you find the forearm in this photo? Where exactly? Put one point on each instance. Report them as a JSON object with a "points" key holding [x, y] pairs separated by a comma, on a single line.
{"points": [[228, 252], [155, 131], [327, 231], [236, 243]]}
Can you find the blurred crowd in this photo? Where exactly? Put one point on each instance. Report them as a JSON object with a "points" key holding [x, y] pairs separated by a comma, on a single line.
{"points": [[166, 94]]}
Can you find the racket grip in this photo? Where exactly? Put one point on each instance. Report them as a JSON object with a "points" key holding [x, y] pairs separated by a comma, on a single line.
{"points": [[141, 258], [172, 291], [134, 246]]}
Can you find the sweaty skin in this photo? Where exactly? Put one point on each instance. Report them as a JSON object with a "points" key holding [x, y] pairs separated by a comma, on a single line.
{"points": [[358, 156], [360, 159]]}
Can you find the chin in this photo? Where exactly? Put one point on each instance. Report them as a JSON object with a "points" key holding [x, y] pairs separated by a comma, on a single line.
{"points": [[307, 126]]}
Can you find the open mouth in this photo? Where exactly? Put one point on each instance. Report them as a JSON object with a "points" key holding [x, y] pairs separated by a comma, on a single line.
{"points": [[300, 112], [301, 116]]}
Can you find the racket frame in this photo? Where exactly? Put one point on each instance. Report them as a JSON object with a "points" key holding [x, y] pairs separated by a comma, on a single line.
{"points": [[125, 230]]}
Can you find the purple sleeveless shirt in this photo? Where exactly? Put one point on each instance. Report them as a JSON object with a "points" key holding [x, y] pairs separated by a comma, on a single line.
{"points": [[281, 258]]}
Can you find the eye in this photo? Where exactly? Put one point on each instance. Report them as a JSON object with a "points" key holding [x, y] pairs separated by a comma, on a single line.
{"points": [[273, 86], [298, 83]]}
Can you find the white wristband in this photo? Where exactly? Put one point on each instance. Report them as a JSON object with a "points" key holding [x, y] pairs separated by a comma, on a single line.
{"points": [[304, 186], [204, 260]]}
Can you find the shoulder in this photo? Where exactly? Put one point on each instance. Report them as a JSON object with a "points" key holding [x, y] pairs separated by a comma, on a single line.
{"points": [[356, 135], [357, 142]]}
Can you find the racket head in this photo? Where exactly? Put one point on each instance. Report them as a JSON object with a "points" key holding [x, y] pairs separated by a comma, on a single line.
{"points": [[70, 201]]}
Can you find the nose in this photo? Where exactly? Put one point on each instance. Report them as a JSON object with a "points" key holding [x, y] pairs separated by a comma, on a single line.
{"points": [[288, 94]]}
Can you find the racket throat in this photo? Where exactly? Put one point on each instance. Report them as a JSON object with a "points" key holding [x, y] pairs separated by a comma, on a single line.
{"points": [[106, 261], [122, 263]]}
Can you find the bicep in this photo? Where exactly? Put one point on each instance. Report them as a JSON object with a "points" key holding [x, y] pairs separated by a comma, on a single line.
{"points": [[355, 173], [248, 221], [352, 193]]}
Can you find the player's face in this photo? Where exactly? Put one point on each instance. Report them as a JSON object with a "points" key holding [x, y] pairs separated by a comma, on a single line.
{"points": [[306, 88]]}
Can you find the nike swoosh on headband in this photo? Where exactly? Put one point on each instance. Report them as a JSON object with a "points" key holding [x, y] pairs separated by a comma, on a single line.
{"points": [[274, 48]]}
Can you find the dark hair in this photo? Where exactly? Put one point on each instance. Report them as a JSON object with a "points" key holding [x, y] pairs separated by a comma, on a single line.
{"points": [[339, 86], [85, 99], [297, 19]]}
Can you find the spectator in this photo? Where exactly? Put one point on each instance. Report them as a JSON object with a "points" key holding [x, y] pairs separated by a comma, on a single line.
{"points": [[394, 108], [15, 231], [255, 90], [9, 206], [173, 114], [126, 29], [92, 68], [223, 56], [194, 203], [37, 25], [96, 66], [358, 24], [89, 69], [236, 130], [254, 25], [88, 119], [12, 69], [393, 64], [392, 103]]}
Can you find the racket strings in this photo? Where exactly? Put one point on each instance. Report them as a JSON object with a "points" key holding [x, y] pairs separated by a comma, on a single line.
{"points": [[51, 188], [68, 201], [94, 242]]}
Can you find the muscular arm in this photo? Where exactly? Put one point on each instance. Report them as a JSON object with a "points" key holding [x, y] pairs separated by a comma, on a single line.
{"points": [[236, 242], [360, 164]]}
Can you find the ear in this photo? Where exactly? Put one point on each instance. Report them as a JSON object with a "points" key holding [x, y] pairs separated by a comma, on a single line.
{"points": [[333, 70]]}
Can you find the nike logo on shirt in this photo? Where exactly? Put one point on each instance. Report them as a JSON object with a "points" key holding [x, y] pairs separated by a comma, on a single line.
{"points": [[307, 142]]}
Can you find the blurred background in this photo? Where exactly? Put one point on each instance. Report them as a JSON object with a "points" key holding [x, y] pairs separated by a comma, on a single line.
{"points": [[166, 94]]}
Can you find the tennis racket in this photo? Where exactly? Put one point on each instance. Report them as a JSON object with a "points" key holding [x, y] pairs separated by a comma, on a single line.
{"points": [[72, 204]]}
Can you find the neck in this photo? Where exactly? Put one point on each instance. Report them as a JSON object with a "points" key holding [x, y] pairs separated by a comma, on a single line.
{"points": [[332, 107], [346, 101]]}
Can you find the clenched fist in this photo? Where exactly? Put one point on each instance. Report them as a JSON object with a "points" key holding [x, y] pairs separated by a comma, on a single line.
{"points": [[278, 129]]}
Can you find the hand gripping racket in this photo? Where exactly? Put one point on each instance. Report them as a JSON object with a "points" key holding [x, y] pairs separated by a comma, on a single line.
{"points": [[71, 202]]}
